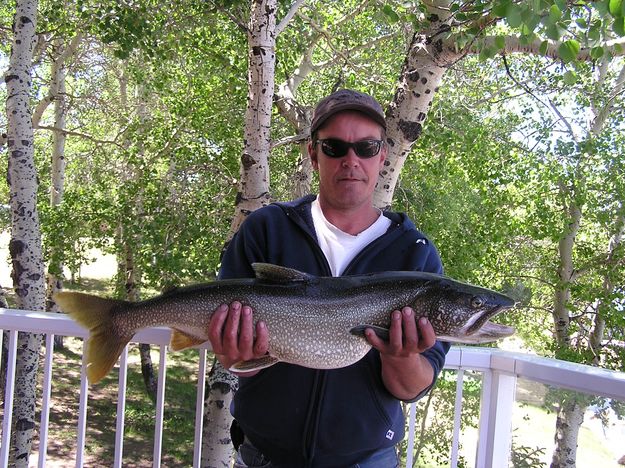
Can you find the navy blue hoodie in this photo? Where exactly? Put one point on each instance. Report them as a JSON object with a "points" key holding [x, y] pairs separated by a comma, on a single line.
{"points": [[298, 416]]}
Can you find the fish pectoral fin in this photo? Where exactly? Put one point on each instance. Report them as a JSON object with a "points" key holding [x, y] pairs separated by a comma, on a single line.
{"points": [[383, 333], [180, 340], [254, 364]]}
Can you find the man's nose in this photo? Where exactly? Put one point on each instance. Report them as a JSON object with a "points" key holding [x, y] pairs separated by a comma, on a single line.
{"points": [[350, 159]]}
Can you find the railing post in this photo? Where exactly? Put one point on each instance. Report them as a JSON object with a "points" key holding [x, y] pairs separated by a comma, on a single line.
{"points": [[495, 432]]}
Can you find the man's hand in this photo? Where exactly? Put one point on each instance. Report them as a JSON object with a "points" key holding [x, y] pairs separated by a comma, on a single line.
{"points": [[405, 372], [231, 333]]}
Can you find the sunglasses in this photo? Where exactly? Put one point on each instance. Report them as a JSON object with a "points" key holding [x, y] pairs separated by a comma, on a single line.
{"points": [[335, 148]]}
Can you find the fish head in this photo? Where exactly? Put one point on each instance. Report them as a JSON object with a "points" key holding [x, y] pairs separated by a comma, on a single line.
{"points": [[461, 312]]}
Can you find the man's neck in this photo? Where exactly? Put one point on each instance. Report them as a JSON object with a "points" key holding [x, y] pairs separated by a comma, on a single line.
{"points": [[350, 220]]}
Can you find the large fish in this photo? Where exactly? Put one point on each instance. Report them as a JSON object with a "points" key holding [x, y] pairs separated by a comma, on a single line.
{"points": [[316, 322]]}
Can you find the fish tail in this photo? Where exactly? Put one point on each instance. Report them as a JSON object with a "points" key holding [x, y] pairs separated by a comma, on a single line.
{"points": [[105, 343]]}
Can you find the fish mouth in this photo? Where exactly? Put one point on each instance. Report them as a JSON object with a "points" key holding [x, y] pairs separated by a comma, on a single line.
{"points": [[483, 320], [491, 331], [488, 333]]}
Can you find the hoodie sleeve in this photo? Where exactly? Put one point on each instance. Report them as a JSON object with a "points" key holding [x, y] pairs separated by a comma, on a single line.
{"points": [[436, 356]]}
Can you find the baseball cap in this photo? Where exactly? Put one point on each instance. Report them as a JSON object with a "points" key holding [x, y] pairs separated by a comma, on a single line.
{"points": [[343, 100]]}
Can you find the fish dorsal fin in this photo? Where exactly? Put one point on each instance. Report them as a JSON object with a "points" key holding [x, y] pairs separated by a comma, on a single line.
{"points": [[278, 274]]}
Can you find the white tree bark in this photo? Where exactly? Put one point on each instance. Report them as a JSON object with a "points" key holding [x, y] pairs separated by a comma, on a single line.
{"points": [[426, 62], [221, 386], [254, 183], [570, 418], [25, 243]]}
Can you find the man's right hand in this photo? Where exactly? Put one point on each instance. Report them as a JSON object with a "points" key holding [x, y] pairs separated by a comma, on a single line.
{"points": [[231, 333]]}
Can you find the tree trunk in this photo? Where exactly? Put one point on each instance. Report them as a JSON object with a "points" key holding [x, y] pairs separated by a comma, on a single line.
{"points": [[421, 75], [57, 90], [254, 183], [571, 412], [253, 190], [132, 294], [25, 243], [570, 418], [147, 371], [221, 386], [303, 176]]}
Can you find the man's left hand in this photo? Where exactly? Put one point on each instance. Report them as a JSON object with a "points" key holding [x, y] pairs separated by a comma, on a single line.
{"points": [[405, 339], [405, 371]]}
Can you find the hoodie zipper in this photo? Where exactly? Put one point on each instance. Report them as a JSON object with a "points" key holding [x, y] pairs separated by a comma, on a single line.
{"points": [[311, 425]]}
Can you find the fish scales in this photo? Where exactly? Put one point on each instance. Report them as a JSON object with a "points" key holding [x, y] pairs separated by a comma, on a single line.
{"points": [[316, 322]]}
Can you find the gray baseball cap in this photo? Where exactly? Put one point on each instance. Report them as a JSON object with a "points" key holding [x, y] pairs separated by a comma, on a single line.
{"points": [[344, 100]]}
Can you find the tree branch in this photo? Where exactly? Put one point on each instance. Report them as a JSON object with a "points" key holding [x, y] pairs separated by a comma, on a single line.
{"points": [[551, 104], [289, 16], [80, 134], [513, 45], [601, 117], [240, 24]]}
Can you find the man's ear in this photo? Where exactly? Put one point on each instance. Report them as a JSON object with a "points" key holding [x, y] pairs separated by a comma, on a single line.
{"points": [[383, 153], [313, 155]]}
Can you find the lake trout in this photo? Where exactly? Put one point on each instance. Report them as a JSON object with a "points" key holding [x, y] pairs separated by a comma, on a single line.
{"points": [[317, 322]]}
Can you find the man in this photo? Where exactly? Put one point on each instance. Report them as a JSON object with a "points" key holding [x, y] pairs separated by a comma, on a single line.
{"points": [[294, 416]]}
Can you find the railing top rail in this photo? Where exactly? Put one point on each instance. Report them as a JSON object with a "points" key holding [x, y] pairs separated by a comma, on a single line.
{"points": [[563, 374]]}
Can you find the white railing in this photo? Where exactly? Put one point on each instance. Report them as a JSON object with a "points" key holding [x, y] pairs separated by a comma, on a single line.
{"points": [[500, 370]]}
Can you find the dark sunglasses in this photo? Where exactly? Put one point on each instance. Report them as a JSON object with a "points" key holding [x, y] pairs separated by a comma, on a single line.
{"points": [[335, 148]]}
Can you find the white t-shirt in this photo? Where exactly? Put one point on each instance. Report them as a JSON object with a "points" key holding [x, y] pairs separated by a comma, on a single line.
{"points": [[339, 247]]}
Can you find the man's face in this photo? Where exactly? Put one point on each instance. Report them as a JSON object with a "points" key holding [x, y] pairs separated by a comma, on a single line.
{"points": [[347, 182]]}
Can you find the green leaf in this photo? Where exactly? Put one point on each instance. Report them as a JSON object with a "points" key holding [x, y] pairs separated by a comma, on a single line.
{"points": [[568, 50], [594, 33], [527, 37], [543, 47], [561, 4], [596, 52], [513, 16], [553, 32], [554, 14], [390, 13], [501, 8], [615, 7], [500, 42], [530, 19], [570, 77], [487, 53], [619, 26]]}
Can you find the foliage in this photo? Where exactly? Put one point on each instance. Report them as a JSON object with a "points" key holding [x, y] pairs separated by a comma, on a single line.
{"points": [[526, 457]]}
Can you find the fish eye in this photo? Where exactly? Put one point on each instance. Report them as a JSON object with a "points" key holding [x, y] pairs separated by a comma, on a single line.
{"points": [[477, 302]]}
